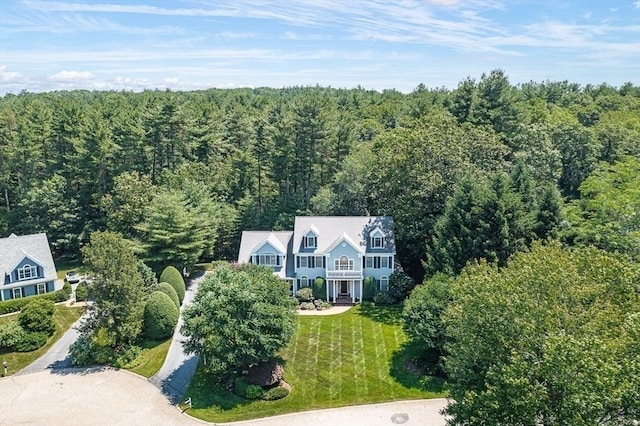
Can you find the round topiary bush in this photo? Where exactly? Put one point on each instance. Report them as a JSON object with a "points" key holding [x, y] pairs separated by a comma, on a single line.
{"points": [[304, 294], [37, 317], [167, 289], [172, 276], [160, 316]]}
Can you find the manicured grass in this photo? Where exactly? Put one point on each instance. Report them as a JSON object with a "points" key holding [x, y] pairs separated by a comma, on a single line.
{"points": [[64, 317], [153, 355], [352, 358]]}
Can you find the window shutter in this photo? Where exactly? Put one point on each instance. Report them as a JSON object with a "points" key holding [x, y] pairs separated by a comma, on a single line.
{"points": [[297, 261]]}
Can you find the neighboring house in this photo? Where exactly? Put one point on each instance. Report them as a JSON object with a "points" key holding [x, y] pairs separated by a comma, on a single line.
{"points": [[26, 265], [343, 250]]}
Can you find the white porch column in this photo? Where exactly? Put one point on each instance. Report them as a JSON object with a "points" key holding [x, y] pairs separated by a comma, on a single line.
{"points": [[295, 286], [353, 291], [361, 290], [334, 291], [327, 282]]}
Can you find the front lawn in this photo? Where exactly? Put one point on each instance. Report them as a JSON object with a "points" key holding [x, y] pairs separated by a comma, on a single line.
{"points": [[63, 317], [357, 357]]}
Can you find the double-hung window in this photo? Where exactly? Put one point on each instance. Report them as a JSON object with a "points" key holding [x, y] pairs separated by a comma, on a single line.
{"points": [[27, 272]]}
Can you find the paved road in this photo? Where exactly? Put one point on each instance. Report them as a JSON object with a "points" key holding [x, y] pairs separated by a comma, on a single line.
{"points": [[58, 355], [105, 396], [174, 376]]}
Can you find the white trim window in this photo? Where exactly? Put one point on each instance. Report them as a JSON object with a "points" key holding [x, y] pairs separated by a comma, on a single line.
{"points": [[378, 262], [384, 284], [303, 261], [42, 288], [310, 240], [343, 264], [27, 272], [304, 281], [269, 259], [17, 293], [377, 241]]}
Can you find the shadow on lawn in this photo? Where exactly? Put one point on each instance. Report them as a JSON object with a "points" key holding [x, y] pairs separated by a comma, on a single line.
{"points": [[416, 369], [206, 392], [391, 315]]}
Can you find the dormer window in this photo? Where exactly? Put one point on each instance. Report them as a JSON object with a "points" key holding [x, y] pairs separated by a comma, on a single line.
{"points": [[377, 239], [27, 272], [310, 240]]}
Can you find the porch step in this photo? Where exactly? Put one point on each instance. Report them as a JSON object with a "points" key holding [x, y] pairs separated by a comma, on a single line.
{"points": [[343, 301]]}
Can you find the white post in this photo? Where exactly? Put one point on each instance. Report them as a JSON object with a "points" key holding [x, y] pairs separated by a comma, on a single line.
{"points": [[327, 285], [334, 291], [352, 287], [360, 290]]}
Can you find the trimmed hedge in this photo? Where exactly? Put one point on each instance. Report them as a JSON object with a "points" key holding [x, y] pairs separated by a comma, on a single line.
{"points": [[172, 276], [319, 288], [31, 341], [369, 288], [304, 294], [160, 316], [15, 305], [167, 289]]}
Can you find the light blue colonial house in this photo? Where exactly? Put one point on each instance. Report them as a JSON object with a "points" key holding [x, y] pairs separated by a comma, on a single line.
{"points": [[343, 250], [27, 266]]}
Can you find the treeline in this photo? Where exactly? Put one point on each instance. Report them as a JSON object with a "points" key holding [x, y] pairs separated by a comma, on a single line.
{"points": [[183, 173]]}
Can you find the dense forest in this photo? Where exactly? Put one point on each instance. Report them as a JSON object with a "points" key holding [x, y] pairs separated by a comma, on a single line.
{"points": [[480, 171]]}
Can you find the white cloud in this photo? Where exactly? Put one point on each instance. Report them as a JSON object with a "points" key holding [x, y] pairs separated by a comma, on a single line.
{"points": [[8, 76], [72, 76]]}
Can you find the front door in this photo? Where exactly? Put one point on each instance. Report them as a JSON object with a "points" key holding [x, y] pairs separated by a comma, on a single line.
{"points": [[344, 287]]}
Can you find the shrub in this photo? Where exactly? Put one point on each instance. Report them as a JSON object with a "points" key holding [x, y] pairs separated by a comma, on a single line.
{"points": [[254, 392], [83, 352], [63, 294], [319, 288], [275, 393], [172, 276], [307, 306], [82, 292], [14, 305], [400, 285], [37, 317], [304, 294], [240, 386], [30, 341], [384, 298], [265, 374], [160, 316], [10, 334], [167, 289], [369, 288]]}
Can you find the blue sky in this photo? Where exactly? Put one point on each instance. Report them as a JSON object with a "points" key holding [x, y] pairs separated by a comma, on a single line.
{"points": [[194, 44]]}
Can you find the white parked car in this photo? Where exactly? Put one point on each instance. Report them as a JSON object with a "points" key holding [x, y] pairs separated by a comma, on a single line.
{"points": [[73, 277]]}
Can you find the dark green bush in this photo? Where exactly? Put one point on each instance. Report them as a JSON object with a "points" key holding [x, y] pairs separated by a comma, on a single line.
{"points": [[275, 393], [319, 288], [400, 285], [82, 292], [37, 317], [30, 341], [240, 386], [172, 276], [83, 352], [384, 298], [304, 294], [266, 373], [167, 289], [254, 392], [160, 316], [369, 288]]}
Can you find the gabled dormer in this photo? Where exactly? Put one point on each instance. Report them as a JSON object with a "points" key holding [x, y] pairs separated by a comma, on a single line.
{"points": [[310, 238], [377, 239], [270, 252], [28, 268]]}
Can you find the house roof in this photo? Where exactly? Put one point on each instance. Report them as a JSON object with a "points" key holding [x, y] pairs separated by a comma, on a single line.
{"points": [[280, 240], [35, 246], [334, 228]]}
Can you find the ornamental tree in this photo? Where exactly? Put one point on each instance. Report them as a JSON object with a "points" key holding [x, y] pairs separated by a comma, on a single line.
{"points": [[240, 317]]}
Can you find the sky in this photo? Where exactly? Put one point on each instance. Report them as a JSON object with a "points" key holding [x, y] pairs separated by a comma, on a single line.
{"points": [[134, 45]]}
